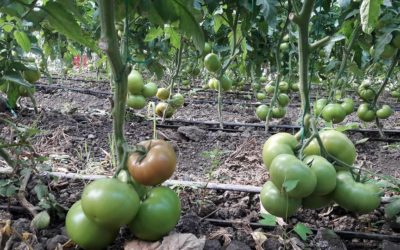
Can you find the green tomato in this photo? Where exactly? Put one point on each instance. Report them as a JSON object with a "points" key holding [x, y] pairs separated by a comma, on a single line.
{"points": [[212, 62], [384, 112], [149, 89], [263, 79], [284, 46], [262, 112], [269, 89], [32, 74], [278, 112], [283, 86], [336, 144], [295, 87], [348, 105], [325, 173], [314, 201], [110, 202], [213, 83], [280, 143], [207, 48], [285, 168], [396, 40], [135, 82], [333, 112], [158, 214], [85, 232], [395, 93], [226, 83], [354, 196], [365, 113], [277, 203], [163, 93], [261, 96], [283, 100], [366, 92], [256, 86], [136, 101], [319, 105], [177, 100]]}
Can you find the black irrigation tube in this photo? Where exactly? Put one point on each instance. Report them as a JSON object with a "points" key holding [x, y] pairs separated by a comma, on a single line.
{"points": [[236, 188], [342, 234]]}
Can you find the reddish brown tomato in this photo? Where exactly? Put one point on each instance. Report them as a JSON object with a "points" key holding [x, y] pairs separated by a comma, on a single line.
{"points": [[156, 166]]}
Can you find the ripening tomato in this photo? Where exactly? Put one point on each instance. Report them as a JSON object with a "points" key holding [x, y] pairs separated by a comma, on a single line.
{"points": [[162, 107], [110, 202], [278, 203], [158, 214], [154, 166], [163, 93]]}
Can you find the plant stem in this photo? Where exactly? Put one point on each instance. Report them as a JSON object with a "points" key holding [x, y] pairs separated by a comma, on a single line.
{"points": [[7, 158], [109, 44]]}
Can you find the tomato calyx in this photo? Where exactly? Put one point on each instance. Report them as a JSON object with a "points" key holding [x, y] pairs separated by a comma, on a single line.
{"points": [[141, 151]]}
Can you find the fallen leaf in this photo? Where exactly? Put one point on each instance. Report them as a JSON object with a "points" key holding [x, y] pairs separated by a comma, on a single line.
{"points": [[259, 238], [170, 242]]}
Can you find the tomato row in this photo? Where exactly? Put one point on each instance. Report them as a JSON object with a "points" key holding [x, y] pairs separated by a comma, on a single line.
{"points": [[313, 182]]}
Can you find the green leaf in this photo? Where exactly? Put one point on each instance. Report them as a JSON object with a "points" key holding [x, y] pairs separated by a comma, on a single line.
{"points": [[16, 77], [393, 208], [346, 127], [289, 185], [22, 40], [41, 191], [41, 220], [302, 230], [369, 13], [268, 219], [153, 34], [65, 23]]}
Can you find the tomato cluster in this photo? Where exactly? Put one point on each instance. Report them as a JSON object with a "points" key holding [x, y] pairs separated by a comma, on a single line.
{"points": [[333, 112], [367, 112], [213, 64], [108, 204], [282, 100], [138, 91], [314, 181]]}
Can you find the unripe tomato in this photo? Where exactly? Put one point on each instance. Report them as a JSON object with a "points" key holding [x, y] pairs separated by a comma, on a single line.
{"points": [[149, 89], [110, 202], [136, 101], [261, 96], [384, 112], [286, 38], [213, 83], [286, 167], [195, 71], [284, 46], [283, 99], [256, 86], [283, 86], [396, 40], [158, 214], [135, 82], [212, 62], [319, 105], [177, 100], [186, 82], [162, 107], [333, 112], [325, 173], [366, 92], [162, 93], [25, 92], [336, 144], [295, 87], [269, 89], [395, 93], [278, 112], [366, 113], [31, 74], [348, 105], [278, 203], [226, 83], [314, 201], [280, 143], [207, 48], [262, 112], [158, 164], [263, 79], [85, 232]]}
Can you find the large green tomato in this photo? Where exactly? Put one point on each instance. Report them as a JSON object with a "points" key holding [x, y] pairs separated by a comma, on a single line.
{"points": [[136, 101], [135, 82], [177, 100], [86, 233], [278, 112], [325, 173], [366, 92], [278, 203], [150, 89], [319, 105], [283, 99], [262, 112], [226, 83], [286, 167], [333, 112], [355, 196], [280, 143], [348, 105], [110, 202], [283, 86], [212, 62], [384, 112], [31, 74], [365, 113], [158, 214], [336, 144], [260, 96], [314, 201]]}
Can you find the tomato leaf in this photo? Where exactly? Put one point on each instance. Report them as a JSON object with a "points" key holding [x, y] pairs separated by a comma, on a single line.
{"points": [[153, 34], [16, 77], [393, 208], [302, 230], [22, 40], [41, 220], [268, 219], [289, 185], [369, 13]]}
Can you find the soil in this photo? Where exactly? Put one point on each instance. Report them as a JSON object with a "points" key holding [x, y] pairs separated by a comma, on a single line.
{"points": [[75, 131]]}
